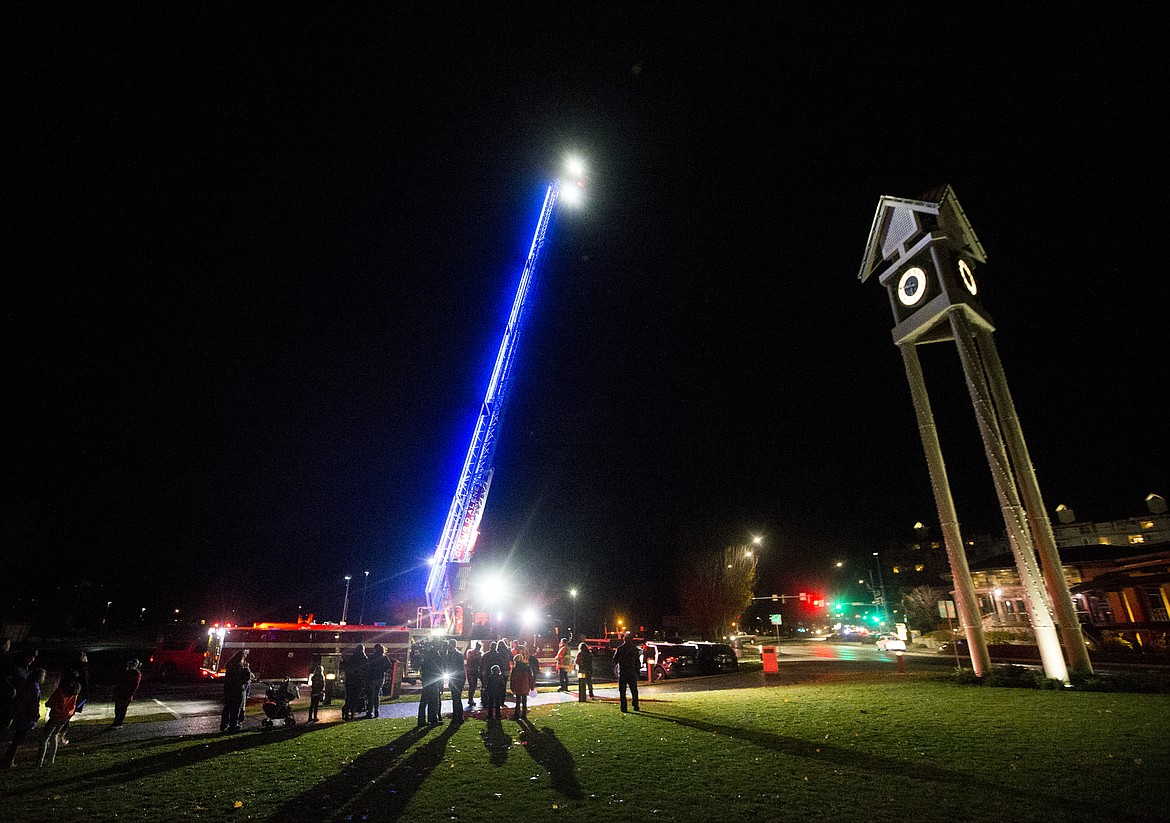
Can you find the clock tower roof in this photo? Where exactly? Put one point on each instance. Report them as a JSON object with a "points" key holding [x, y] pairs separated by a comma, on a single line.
{"points": [[899, 223]]}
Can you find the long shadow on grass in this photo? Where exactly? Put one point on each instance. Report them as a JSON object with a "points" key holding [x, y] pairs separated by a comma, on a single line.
{"points": [[497, 742], [377, 785], [863, 761], [201, 747], [545, 748]]}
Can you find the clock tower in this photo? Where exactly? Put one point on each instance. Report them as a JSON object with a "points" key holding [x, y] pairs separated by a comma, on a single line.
{"points": [[926, 255]]}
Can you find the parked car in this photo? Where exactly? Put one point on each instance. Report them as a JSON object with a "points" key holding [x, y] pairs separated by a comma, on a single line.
{"points": [[890, 642], [178, 658], [715, 658]]}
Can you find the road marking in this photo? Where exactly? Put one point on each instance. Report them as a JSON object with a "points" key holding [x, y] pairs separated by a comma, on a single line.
{"points": [[168, 709]]}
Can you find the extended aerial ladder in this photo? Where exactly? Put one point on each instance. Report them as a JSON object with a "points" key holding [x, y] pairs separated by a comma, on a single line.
{"points": [[457, 541]]}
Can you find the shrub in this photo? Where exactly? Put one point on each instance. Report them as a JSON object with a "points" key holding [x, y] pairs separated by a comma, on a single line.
{"points": [[1012, 677], [966, 677]]}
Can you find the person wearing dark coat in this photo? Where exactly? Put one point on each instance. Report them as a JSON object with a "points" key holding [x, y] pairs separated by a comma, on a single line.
{"points": [[471, 669], [453, 668], [236, 678], [8, 682], [26, 712], [377, 668], [124, 691], [431, 672], [495, 684], [628, 663], [584, 663], [355, 682]]}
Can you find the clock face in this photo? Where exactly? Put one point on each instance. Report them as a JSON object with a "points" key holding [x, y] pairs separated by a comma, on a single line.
{"points": [[912, 286], [968, 277]]}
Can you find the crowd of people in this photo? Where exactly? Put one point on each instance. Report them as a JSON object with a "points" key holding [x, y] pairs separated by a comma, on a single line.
{"points": [[491, 668], [22, 687]]}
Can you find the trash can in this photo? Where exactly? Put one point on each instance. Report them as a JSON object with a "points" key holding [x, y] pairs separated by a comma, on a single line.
{"points": [[768, 656]]}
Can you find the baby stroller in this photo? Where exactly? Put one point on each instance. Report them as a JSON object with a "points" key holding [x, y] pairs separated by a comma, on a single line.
{"points": [[276, 704]]}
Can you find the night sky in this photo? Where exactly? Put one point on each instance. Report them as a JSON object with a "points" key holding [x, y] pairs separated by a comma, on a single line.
{"points": [[258, 263]]}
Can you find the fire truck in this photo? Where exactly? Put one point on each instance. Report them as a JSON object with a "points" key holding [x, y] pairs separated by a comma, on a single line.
{"points": [[293, 650]]}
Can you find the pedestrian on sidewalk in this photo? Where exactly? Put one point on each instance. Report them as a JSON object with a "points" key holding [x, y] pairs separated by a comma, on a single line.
{"points": [[584, 665], [237, 675], [355, 682], [563, 665], [62, 705], [124, 691], [26, 713], [376, 669], [471, 669]]}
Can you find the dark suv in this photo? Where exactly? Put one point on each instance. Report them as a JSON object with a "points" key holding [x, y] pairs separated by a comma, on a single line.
{"points": [[714, 658], [671, 659]]}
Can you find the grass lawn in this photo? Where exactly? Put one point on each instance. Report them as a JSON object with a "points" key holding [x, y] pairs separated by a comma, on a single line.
{"points": [[918, 748]]}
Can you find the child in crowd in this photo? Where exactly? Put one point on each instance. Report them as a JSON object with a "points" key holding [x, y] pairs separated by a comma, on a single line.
{"points": [[493, 692], [62, 705], [521, 682]]}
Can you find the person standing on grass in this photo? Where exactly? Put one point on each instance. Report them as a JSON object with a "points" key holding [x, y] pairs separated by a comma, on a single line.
{"points": [[430, 670], [453, 666], [80, 673], [26, 713], [494, 686], [471, 669], [316, 691], [376, 668], [62, 705], [7, 684], [626, 658], [521, 682], [124, 691], [584, 664]]}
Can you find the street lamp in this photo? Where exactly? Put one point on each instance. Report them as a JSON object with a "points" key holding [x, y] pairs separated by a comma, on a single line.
{"points": [[365, 583], [345, 605], [573, 594], [881, 585]]}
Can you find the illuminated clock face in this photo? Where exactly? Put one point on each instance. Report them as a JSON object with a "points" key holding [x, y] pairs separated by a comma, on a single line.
{"points": [[968, 277], [912, 286]]}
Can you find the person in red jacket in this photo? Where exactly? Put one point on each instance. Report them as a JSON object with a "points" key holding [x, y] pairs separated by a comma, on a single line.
{"points": [[125, 690], [62, 705], [521, 681]]}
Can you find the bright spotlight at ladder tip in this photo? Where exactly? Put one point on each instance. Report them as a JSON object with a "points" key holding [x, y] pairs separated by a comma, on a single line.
{"points": [[575, 167]]}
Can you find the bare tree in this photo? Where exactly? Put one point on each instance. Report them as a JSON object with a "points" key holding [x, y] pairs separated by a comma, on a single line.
{"points": [[714, 586], [921, 607]]}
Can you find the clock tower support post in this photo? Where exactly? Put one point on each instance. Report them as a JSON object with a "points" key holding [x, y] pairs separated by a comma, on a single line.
{"points": [[965, 599], [1038, 521]]}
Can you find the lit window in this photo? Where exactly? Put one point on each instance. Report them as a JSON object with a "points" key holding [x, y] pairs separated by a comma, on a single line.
{"points": [[919, 567], [1147, 524], [897, 569], [934, 545], [1104, 541], [1137, 538]]}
